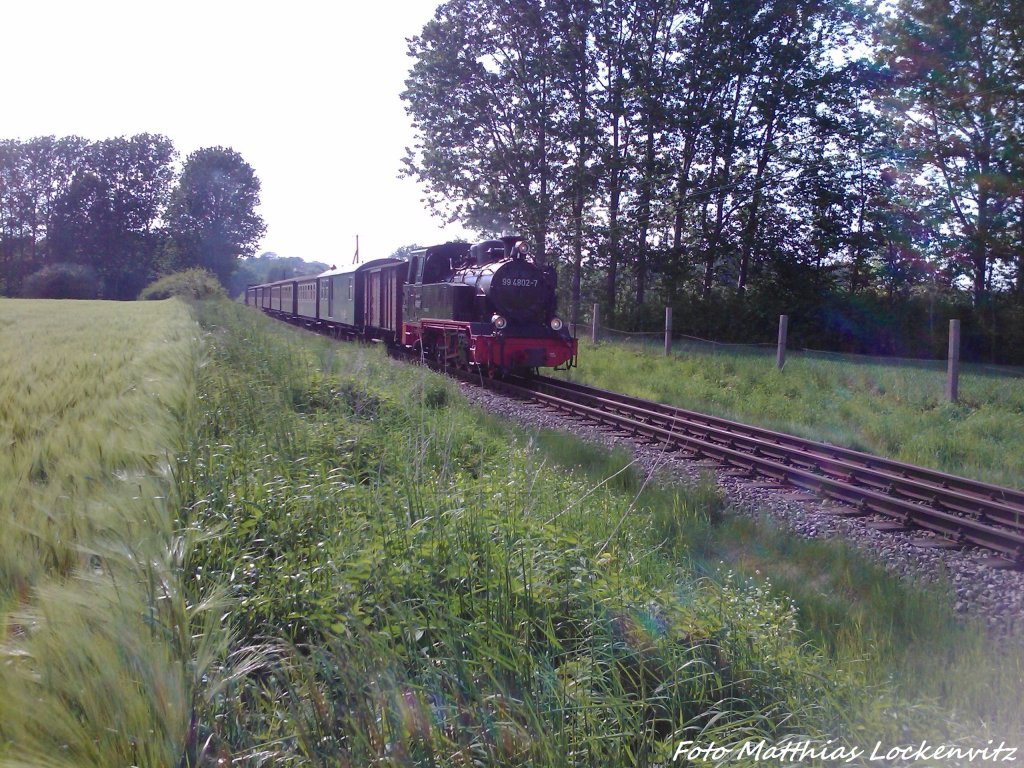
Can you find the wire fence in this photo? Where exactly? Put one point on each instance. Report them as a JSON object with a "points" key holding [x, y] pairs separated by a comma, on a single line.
{"points": [[683, 344]]}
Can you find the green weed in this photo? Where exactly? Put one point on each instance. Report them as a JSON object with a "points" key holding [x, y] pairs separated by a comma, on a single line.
{"points": [[364, 570]]}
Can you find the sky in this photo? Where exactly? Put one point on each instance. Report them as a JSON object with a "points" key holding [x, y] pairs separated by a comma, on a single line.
{"points": [[306, 92]]}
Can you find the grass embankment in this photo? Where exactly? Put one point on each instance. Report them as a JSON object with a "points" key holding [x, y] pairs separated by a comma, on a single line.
{"points": [[895, 409], [429, 586], [95, 634]]}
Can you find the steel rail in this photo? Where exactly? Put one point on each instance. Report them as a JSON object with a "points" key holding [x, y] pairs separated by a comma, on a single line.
{"points": [[951, 493], [787, 459]]}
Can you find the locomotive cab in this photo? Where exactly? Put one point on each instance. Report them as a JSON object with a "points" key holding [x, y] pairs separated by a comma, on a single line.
{"points": [[429, 293]]}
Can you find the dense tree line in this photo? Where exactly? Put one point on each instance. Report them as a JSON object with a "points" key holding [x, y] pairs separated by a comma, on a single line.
{"points": [[856, 168], [104, 218], [268, 267]]}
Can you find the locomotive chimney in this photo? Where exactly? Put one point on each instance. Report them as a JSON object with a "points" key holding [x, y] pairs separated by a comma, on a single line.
{"points": [[510, 244]]}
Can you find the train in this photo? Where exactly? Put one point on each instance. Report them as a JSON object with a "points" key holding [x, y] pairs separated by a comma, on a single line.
{"points": [[486, 306]]}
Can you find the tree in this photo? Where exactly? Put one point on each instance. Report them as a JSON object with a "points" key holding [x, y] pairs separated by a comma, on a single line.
{"points": [[957, 95], [403, 252], [34, 174], [106, 217], [13, 236], [480, 95], [212, 215], [84, 228], [612, 51], [576, 127]]}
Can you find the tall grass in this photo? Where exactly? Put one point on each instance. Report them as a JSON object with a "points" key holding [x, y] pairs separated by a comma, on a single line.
{"points": [[444, 590], [891, 409], [97, 655]]}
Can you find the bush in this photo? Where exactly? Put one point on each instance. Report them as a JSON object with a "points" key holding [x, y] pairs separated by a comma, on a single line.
{"points": [[189, 284], [62, 281]]}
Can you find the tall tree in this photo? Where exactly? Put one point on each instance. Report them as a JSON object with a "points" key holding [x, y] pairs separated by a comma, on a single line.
{"points": [[480, 97], [957, 95], [700, 78], [84, 228], [34, 175], [613, 41], [212, 214], [13, 235], [655, 23], [577, 129]]}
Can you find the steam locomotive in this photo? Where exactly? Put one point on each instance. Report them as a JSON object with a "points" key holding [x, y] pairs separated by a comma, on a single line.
{"points": [[487, 306]]}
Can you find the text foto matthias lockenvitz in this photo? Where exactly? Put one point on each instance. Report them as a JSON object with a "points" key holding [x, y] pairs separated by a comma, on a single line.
{"points": [[795, 752]]}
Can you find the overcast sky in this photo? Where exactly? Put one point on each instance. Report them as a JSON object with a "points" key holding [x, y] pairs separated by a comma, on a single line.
{"points": [[306, 92]]}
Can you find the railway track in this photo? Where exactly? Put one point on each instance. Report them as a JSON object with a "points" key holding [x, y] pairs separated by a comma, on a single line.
{"points": [[961, 511]]}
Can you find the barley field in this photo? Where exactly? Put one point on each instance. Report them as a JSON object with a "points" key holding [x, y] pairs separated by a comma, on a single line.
{"points": [[92, 396]]}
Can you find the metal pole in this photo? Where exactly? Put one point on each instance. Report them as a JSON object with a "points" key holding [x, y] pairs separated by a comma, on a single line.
{"points": [[780, 355], [593, 326], [953, 371], [668, 331]]}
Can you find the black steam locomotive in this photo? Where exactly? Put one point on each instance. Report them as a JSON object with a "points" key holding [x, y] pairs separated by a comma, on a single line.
{"points": [[487, 305]]}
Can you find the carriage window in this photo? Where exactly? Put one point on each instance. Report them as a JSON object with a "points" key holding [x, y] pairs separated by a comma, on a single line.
{"points": [[351, 281]]}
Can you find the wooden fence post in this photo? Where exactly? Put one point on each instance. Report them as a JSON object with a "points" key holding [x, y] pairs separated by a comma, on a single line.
{"points": [[593, 326], [668, 331], [780, 355], [953, 369]]}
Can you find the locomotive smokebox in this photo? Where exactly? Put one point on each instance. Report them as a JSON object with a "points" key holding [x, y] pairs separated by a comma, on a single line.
{"points": [[518, 289]]}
